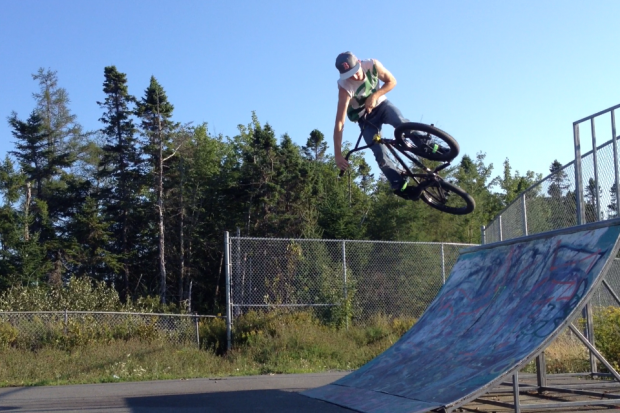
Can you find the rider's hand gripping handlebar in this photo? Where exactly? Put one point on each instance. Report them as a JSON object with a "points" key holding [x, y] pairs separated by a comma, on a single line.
{"points": [[376, 139]]}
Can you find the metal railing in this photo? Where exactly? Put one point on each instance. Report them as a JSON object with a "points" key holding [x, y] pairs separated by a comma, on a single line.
{"points": [[584, 190]]}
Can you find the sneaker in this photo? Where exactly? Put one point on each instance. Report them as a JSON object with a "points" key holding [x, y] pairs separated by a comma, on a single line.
{"points": [[409, 192]]}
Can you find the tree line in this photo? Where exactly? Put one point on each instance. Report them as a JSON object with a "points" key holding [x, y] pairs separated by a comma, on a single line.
{"points": [[143, 202]]}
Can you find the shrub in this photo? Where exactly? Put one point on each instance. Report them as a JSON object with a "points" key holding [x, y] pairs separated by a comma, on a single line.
{"points": [[77, 294], [8, 335], [607, 334], [213, 335]]}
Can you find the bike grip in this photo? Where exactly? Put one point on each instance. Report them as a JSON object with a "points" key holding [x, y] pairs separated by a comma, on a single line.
{"points": [[342, 171]]}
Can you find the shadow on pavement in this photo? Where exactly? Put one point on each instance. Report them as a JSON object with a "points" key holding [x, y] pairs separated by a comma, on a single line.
{"points": [[276, 401]]}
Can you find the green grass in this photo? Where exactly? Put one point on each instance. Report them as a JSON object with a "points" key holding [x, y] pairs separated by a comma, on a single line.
{"points": [[264, 344], [276, 343]]}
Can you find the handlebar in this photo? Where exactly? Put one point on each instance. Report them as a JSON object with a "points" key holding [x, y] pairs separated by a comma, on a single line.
{"points": [[357, 147], [364, 116], [342, 171]]}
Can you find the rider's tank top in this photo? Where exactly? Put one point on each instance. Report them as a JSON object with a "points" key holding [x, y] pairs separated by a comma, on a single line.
{"points": [[360, 90]]}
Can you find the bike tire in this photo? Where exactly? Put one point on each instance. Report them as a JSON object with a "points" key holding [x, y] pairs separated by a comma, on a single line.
{"points": [[439, 194], [426, 141]]}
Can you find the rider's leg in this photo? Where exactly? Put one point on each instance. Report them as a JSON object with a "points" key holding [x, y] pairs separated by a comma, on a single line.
{"points": [[371, 126], [391, 115]]}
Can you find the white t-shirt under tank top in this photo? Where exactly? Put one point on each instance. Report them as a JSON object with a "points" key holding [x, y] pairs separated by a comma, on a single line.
{"points": [[360, 90]]}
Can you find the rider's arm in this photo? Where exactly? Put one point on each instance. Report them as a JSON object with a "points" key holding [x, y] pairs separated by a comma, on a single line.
{"points": [[343, 102], [389, 81]]}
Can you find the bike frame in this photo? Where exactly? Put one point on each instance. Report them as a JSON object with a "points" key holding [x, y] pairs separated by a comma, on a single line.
{"points": [[393, 146]]}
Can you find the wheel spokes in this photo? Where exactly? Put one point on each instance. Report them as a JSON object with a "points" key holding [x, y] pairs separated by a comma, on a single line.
{"points": [[437, 194], [426, 142]]}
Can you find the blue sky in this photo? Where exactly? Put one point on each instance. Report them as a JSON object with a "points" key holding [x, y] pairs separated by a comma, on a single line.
{"points": [[506, 78]]}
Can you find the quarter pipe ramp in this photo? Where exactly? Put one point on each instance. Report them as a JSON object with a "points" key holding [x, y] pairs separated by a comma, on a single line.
{"points": [[501, 306]]}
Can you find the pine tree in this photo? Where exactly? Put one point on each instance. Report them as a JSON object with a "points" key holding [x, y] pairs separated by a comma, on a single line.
{"points": [[592, 197], [122, 173], [33, 152], [561, 206], [90, 241], [42, 169], [315, 147], [612, 207], [13, 228], [155, 112], [63, 132], [64, 191], [475, 177], [558, 179], [514, 185]]}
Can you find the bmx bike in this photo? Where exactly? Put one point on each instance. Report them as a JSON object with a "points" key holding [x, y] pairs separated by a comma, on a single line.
{"points": [[429, 142]]}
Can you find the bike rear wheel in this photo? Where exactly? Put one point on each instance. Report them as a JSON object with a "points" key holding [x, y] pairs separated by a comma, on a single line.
{"points": [[447, 197], [426, 141]]}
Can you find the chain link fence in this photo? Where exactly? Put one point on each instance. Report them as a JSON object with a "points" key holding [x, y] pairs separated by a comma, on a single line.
{"points": [[547, 205], [67, 328], [577, 193], [341, 280]]}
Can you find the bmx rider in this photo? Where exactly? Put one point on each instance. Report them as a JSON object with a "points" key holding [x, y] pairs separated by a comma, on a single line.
{"points": [[359, 93]]}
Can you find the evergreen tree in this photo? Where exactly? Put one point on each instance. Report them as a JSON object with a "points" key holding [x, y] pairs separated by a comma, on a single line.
{"points": [[122, 173], [257, 180], [514, 185], [612, 207], [63, 132], [561, 205], [315, 147], [12, 228], [392, 218], [155, 112], [558, 180], [90, 241], [62, 192], [592, 197], [35, 157], [475, 177], [208, 205], [367, 179], [43, 170]]}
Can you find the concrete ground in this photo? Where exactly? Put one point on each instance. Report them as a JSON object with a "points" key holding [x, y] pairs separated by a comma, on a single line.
{"points": [[274, 394], [277, 393]]}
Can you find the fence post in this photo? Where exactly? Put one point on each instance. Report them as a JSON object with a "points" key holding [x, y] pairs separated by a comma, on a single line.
{"points": [[483, 235], [66, 321], [595, 161], [189, 296], [590, 335], [197, 330], [616, 172], [499, 228], [344, 273], [238, 294], [523, 203], [228, 303], [443, 264], [515, 391], [578, 177]]}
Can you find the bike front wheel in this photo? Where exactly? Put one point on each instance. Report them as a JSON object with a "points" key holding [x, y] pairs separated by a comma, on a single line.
{"points": [[447, 197], [426, 141]]}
